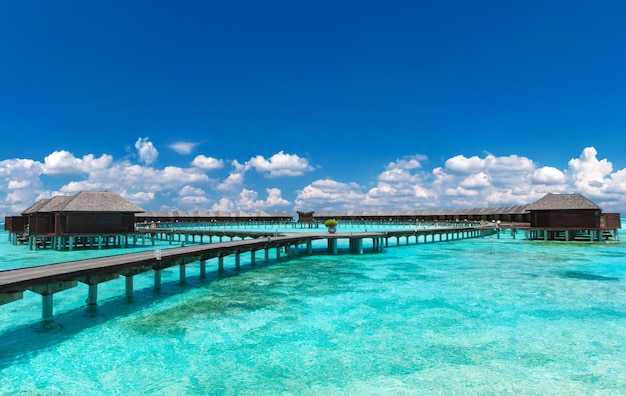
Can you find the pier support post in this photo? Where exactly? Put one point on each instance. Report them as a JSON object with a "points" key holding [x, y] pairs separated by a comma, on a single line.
{"points": [[253, 257], [182, 270], [46, 292], [129, 286], [267, 254], [356, 245], [237, 260], [92, 281], [47, 307], [309, 247], [157, 279], [277, 253], [332, 245], [220, 263], [92, 295], [202, 268]]}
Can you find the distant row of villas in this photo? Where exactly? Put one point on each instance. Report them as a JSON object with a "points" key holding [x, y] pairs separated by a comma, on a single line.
{"points": [[104, 218]]}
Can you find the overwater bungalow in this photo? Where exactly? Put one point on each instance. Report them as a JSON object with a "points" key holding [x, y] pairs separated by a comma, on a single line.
{"points": [[61, 222], [570, 217]]}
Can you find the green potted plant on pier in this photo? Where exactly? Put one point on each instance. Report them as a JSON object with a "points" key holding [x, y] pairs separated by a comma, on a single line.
{"points": [[331, 225]]}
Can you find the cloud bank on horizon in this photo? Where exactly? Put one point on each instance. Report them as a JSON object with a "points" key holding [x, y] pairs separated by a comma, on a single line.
{"points": [[218, 184]]}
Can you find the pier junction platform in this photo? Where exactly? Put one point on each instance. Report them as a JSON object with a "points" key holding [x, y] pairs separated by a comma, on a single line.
{"points": [[47, 280]]}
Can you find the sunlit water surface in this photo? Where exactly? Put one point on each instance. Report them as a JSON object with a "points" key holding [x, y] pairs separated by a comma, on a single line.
{"points": [[481, 316]]}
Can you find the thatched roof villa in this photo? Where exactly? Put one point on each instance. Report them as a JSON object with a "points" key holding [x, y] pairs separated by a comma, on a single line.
{"points": [[88, 214]]}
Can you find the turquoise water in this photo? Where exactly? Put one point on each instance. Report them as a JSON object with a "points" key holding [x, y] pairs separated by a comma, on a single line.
{"points": [[481, 316]]}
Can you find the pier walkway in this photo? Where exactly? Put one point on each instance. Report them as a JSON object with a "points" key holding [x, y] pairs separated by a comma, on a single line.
{"points": [[52, 278]]}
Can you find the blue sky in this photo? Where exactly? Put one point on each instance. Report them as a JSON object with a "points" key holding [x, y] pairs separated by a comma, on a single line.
{"points": [[327, 106]]}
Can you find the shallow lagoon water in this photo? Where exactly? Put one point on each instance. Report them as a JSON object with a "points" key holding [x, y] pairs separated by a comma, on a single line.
{"points": [[478, 316]]}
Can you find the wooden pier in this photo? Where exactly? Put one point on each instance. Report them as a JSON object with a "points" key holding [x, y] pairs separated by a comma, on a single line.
{"points": [[49, 279]]}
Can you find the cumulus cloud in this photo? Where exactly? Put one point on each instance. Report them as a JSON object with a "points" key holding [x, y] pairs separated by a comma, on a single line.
{"points": [[20, 184], [408, 162], [138, 197], [234, 181], [280, 164], [190, 190], [461, 164], [549, 176], [207, 163], [148, 154], [248, 200], [193, 197], [65, 163], [195, 201], [476, 180], [402, 184], [488, 181], [511, 163], [274, 198], [588, 173], [397, 175], [327, 194], [15, 184], [223, 205], [183, 147]]}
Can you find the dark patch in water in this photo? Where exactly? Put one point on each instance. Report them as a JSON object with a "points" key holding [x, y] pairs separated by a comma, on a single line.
{"points": [[587, 276]]}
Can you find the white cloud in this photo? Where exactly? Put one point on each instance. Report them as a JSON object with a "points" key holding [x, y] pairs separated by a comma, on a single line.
{"points": [[148, 154], [183, 147], [461, 164], [224, 205], [20, 185], [15, 184], [234, 181], [65, 163], [327, 193], [408, 162], [475, 181], [510, 163], [549, 176], [248, 200], [475, 164], [139, 197], [280, 164], [189, 190], [462, 192], [397, 175], [195, 201], [124, 176], [74, 187], [588, 173], [402, 184], [274, 198], [20, 168], [207, 163]]}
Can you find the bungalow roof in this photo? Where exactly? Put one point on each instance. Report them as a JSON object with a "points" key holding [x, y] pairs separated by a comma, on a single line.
{"points": [[85, 201], [562, 202]]}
